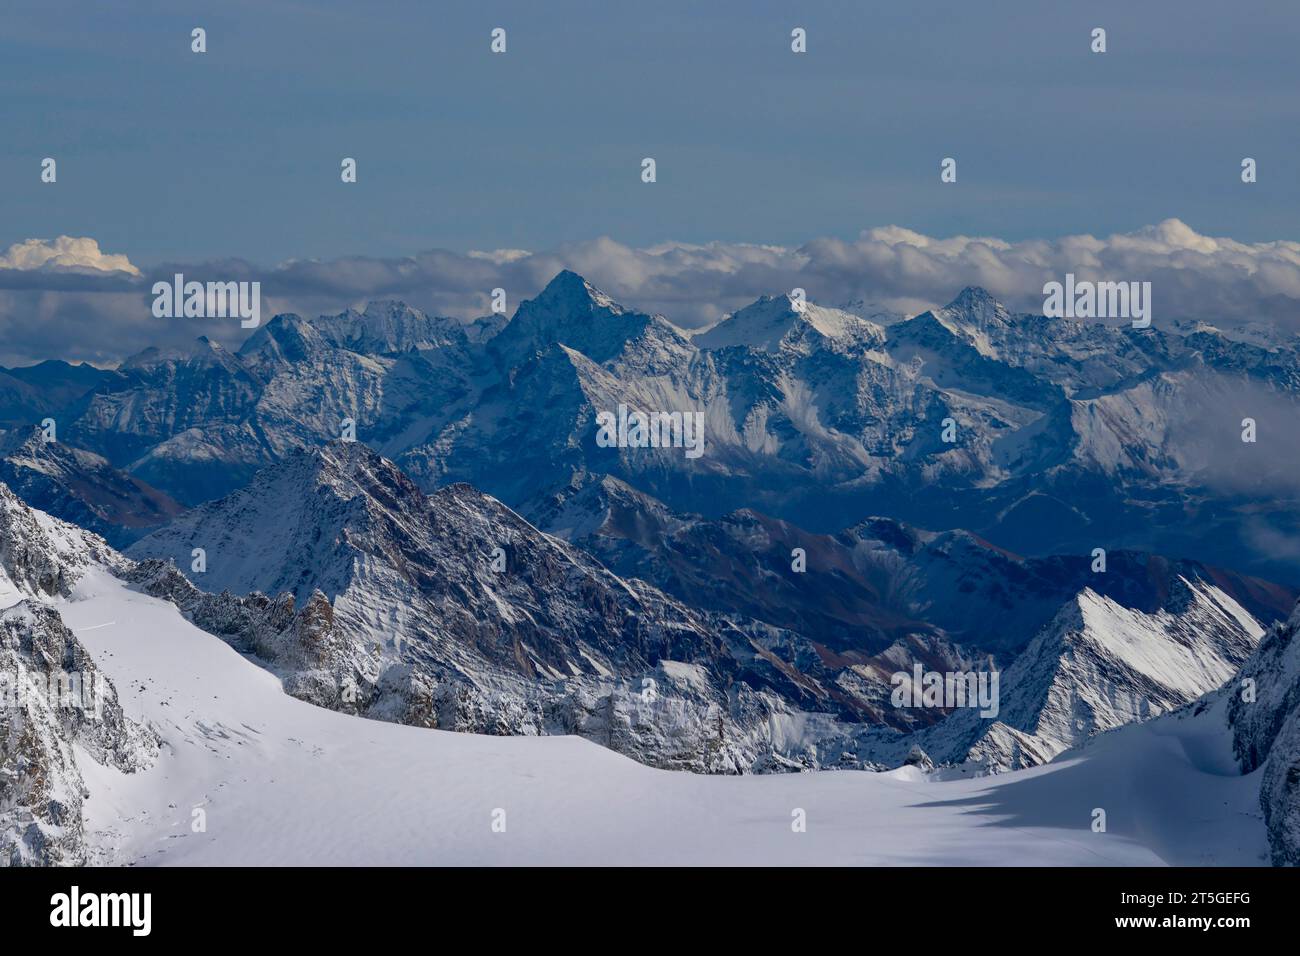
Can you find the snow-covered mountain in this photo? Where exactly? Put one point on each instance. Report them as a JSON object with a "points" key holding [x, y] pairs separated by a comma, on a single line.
{"points": [[782, 324], [201, 422], [747, 609], [1039, 435], [1081, 651], [1064, 435], [1099, 665], [81, 487], [744, 563], [450, 610], [276, 781], [55, 702], [40, 555], [237, 748]]}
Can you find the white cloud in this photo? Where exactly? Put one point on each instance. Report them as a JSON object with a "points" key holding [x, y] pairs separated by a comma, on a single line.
{"points": [[69, 253], [899, 269], [499, 256], [890, 268]]}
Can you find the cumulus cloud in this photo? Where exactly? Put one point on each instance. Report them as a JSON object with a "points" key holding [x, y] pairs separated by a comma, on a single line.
{"points": [[64, 254], [59, 303]]}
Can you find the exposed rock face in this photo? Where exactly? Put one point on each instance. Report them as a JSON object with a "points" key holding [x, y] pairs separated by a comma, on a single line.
{"points": [[265, 626], [55, 698], [52, 696], [1264, 714], [674, 715]]}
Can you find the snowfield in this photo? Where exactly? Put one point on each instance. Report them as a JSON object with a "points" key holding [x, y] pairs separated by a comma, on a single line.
{"points": [[283, 782]]}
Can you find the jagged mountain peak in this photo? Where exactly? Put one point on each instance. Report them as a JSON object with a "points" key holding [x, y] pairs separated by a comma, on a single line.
{"points": [[572, 312], [775, 322], [21, 440], [975, 310], [148, 357], [569, 289], [383, 327], [974, 297], [569, 299], [590, 503], [202, 352], [1178, 652], [287, 337], [281, 322], [325, 516], [381, 315], [387, 326], [289, 529], [389, 308], [348, 469], [973, 320], [1097, 665], [426, 590]]}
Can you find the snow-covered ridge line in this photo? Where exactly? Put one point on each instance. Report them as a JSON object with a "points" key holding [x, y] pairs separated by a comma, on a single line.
{"points": [[1098, 666]]}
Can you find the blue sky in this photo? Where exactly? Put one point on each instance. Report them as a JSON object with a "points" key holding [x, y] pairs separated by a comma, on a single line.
{"points": [[167, 155], [775, 170]]}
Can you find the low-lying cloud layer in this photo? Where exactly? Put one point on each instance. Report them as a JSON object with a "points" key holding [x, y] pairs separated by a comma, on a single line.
{"points": [[66, 298]]}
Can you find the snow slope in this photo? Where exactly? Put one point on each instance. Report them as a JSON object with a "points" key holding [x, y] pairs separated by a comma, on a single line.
{"points": [[283, 782]]}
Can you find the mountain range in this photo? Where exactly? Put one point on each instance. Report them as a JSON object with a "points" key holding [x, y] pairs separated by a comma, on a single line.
{"points": [[1065, 435], [411, 519]]}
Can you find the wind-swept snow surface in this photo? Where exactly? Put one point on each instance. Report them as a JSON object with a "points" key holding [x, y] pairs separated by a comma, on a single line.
{"points": [[280, 781]]}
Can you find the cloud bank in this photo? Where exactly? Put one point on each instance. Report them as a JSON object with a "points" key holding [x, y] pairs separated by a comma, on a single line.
{"points": [[68, 299]]}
